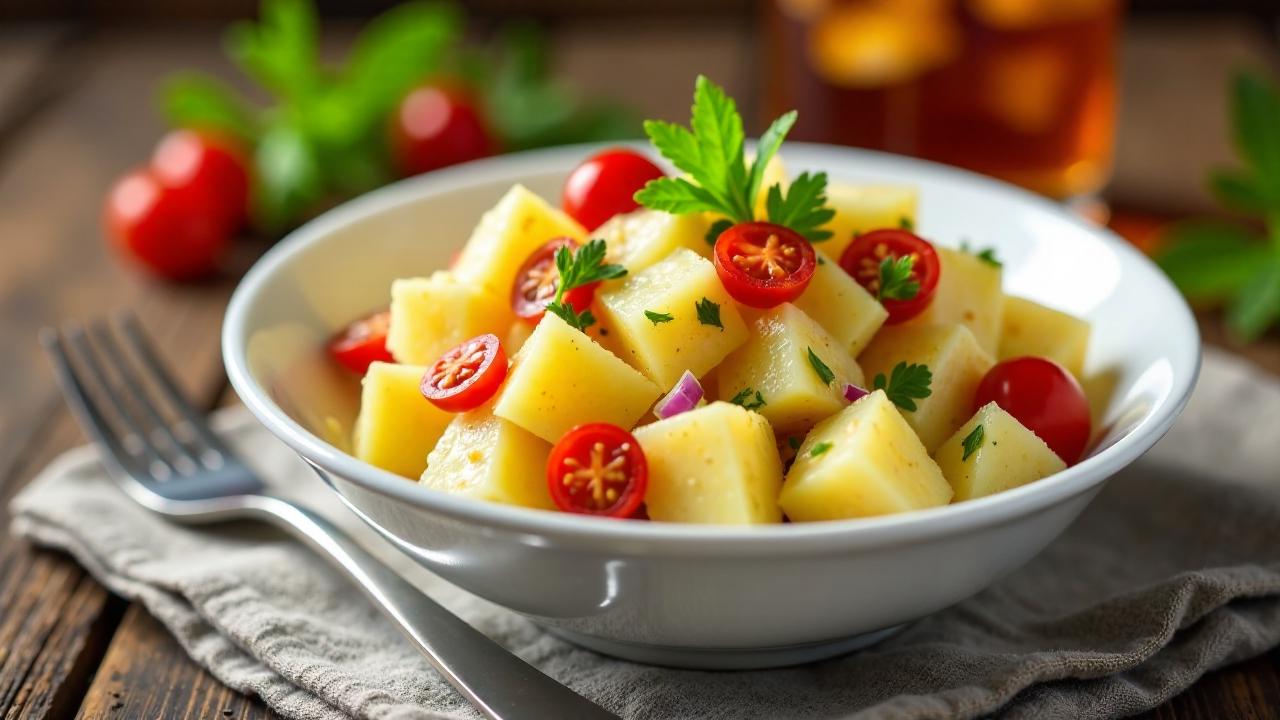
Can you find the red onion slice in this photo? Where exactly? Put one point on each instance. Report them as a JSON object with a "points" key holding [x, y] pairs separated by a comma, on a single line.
{"points": [[852, 392], [683, 397]]}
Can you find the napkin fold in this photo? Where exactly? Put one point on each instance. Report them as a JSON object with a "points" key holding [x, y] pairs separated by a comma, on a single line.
{"points": [[1173, 571]]}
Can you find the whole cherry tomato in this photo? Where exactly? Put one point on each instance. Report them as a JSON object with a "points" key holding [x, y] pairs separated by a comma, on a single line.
{"points": [[864, 256], [362, 343], [1045, 398], [538, 279], [467, 375], [162, 230], [437, 126], [207, 171], [763, 265], [605, 185], [598, 469]]}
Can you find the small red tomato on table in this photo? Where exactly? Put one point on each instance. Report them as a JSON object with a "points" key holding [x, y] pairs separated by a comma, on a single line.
{"points": [[363, 343], [763, 265], [1045, 398], [900, 268], [436, 126], [466, 376], [605, 185], [598, 469]]}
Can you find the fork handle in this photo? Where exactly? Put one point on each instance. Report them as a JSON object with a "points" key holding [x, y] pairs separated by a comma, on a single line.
{"points": [[499, 684]]}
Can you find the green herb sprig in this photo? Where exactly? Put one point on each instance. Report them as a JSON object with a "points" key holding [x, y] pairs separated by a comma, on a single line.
{"points": [[896, 282], [708, 313], [822, 369], [658, 318], [905, 384], [819, 448], [584, 266], [972, 442], [749, 399]]}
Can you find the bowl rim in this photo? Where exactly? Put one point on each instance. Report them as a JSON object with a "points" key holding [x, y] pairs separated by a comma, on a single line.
{"points": [[690, 538]]}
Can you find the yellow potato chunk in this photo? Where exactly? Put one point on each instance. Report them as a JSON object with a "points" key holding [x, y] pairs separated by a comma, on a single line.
{"points": [[860, 208], [969, 293], [639, 239], [1005, 455], [430, 315], [841, 306], [561, 378], [485, 457], [1033, 329], [515, 337], [861, 462], [397, 426], [956, 361], [775, 362], [715, 464], [507, 234], [674, 286]]}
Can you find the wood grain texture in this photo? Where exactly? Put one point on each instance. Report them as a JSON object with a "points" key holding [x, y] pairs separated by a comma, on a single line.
{"points": [[1248, 691], [146, 674]]}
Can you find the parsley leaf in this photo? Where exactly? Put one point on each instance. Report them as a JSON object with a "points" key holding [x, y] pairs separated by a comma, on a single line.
{"points": [[577, 268], [905, 223], [745, 399], [657, 317], [768, 146], [896, 282], [708, 313], [972, 442], [565, 311], [905, 384], [986, 255], [793, 442], [717, 229], [803, 207], [824, 372], [819, 449]]}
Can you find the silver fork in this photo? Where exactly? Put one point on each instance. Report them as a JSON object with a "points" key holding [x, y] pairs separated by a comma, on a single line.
{"points": [[179, 468]]}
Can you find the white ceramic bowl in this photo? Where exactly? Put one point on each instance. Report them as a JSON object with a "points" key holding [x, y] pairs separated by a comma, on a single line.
{"points": [[702, 596]]}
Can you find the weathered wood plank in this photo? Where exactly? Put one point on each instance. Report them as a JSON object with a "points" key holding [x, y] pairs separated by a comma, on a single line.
{"points": [[146, 674], [1248, 691]]}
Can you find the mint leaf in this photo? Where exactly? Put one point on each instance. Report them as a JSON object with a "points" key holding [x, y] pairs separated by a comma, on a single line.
{"points": [[708, 313], [1210, 261], [905, 384], [768, 146], [657, 318], [803, 207], [824, 372], [1257, 305], [193, 100], [972, 442]]}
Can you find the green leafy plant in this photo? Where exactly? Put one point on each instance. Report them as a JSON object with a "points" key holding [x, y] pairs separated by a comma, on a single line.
{"points": [[584, 266], [1215, 262], [905, 384]]}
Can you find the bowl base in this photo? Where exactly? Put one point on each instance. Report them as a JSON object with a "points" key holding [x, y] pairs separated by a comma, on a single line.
{"points": [[724, 658]]}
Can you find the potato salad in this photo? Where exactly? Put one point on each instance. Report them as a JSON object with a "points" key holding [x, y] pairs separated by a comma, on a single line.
{"points": [[723, 344]]}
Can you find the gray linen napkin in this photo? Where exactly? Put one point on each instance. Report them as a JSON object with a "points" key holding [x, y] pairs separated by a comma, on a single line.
{"points": [[1166, 576]]}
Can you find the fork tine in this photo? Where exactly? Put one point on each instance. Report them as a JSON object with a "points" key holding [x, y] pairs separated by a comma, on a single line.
{"points": [[82, 405], [184, 460], [127, 415], [144, 352]]}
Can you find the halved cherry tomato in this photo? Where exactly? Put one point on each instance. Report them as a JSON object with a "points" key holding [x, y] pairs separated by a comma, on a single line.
{"points": [[362, 343], [764, 265], [436, 126], [467, 375], [605, 185], [1045, 398], [598, 469], [864, 255], [537, 280]]}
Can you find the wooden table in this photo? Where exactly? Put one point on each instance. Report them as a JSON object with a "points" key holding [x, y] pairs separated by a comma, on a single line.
{"points": [[75, 113]]}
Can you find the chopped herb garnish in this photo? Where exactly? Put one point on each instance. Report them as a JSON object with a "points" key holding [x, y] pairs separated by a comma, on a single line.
{"points": [[745, 399], [577, 268], [986, 255], [824, 372], [905, 384], [803, 207], [896, 282], [822, 260], [657, 317], [905, 223], [972, 442], [708, 313], [717, 229], [794, 442], [819, 448]]}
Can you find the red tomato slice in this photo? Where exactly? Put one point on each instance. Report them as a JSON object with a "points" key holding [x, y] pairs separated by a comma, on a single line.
{"points": [[862, 261], [466, 376], [764, 265], [1045, 398], [362, 343], [537, 280], [605, 185], [598, 469]]}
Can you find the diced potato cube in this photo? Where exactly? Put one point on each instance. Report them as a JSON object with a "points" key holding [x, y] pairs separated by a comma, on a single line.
{"points": [[485, 457], [775, 362], [664, 350], [1008, 455], [1033, 329], [397, 427], [841, 306], [957, 364], [509, 233], [639, 239], [561, 378], [861, 462], [968, 293], [516, 336], [715, 464], [431, 315], [860, 208]]}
